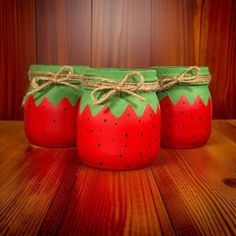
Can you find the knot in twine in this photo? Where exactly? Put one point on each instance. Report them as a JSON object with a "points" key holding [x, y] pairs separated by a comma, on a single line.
{"points": [[63, 77], [167, 82], [111, 87]]}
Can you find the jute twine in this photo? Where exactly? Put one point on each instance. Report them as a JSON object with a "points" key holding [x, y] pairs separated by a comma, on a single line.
{"points": [[169, 81], [110, 87], [40, 80]]}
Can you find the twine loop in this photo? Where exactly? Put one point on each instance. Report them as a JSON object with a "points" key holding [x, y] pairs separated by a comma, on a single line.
{"points": [[167, 82], [111, 87], [62, 77]]}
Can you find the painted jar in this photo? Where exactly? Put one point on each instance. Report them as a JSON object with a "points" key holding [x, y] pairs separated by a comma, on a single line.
{"points": [[186, 106], [118, 128], [51, 104]]}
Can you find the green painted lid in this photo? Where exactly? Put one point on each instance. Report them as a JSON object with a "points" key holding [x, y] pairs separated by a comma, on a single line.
{"points": [[163, 71], [56, 92], [119, 74], [56, 68]]}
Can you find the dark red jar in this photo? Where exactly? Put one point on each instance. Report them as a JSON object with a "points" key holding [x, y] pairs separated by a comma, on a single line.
{"points": [[50, 114], [186, 109], [123, 133]]}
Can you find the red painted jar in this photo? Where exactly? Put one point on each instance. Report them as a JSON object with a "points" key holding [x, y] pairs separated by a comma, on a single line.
{"points": [[122, 133], [50, 114], [186, 110]]}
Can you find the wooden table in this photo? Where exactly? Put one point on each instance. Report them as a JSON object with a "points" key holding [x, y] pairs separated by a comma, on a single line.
{"points": [[184, 192]]}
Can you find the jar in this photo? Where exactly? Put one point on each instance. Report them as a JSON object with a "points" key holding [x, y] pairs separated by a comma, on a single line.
{"points": [[50, 113], [121, 133], [186, 108]]}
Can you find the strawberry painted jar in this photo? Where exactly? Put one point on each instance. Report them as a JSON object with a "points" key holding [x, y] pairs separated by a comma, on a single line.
{"points": [[118, 127], [186, 106], [50, 107]]}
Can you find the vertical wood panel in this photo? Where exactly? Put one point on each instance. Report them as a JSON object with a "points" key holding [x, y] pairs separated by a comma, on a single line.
{"points": [[17, 42], [218, 51], [121, 33], [63, 32], [173, 41]]}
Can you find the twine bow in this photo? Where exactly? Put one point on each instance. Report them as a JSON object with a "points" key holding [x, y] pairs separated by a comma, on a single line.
{"points": [[167, 82], [61, 77], [111, 88]]}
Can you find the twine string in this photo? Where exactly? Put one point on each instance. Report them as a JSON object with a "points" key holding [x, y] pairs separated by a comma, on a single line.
{"points": [[123, 86], [167, 82], [61, 77]]}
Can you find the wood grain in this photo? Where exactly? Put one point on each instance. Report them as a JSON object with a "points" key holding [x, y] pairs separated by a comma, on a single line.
{"points": [[30, 178], [192, 183], [218, 51], [49, 192], [17, 52], [63, 32], [173, 41], [121, 33]]}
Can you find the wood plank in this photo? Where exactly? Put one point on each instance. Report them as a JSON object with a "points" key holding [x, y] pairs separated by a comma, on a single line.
{"points": [[232, 122], [17, 52], [173, 32], [197, 187], [115, 203], [121, 33], [63, 32], [226, 129], [217, 50], [29, 180]]}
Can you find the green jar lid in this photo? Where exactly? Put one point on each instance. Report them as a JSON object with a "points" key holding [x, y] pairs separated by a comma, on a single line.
{"points": [[56, 68], [119, 74], [177, 70], [169, 71]]}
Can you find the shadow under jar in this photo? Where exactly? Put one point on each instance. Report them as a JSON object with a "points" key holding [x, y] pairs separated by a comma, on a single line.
{"points": [[186, 109], [122, 133], [50, 114]]}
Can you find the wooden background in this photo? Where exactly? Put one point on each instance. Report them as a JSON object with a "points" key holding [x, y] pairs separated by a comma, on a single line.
{"points": [[117, 33]]}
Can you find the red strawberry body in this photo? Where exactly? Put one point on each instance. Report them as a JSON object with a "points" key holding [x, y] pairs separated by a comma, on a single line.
{"points": [[185, 125], [50, 125], [118, 143]]}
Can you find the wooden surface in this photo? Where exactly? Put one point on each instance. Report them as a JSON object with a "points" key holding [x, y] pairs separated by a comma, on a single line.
{"points": [[184, 192], [117, 33]]}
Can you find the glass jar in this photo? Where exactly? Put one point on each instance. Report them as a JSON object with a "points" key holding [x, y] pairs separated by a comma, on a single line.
{"points": [[123, 132], [186, 109], [50, 114]]}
